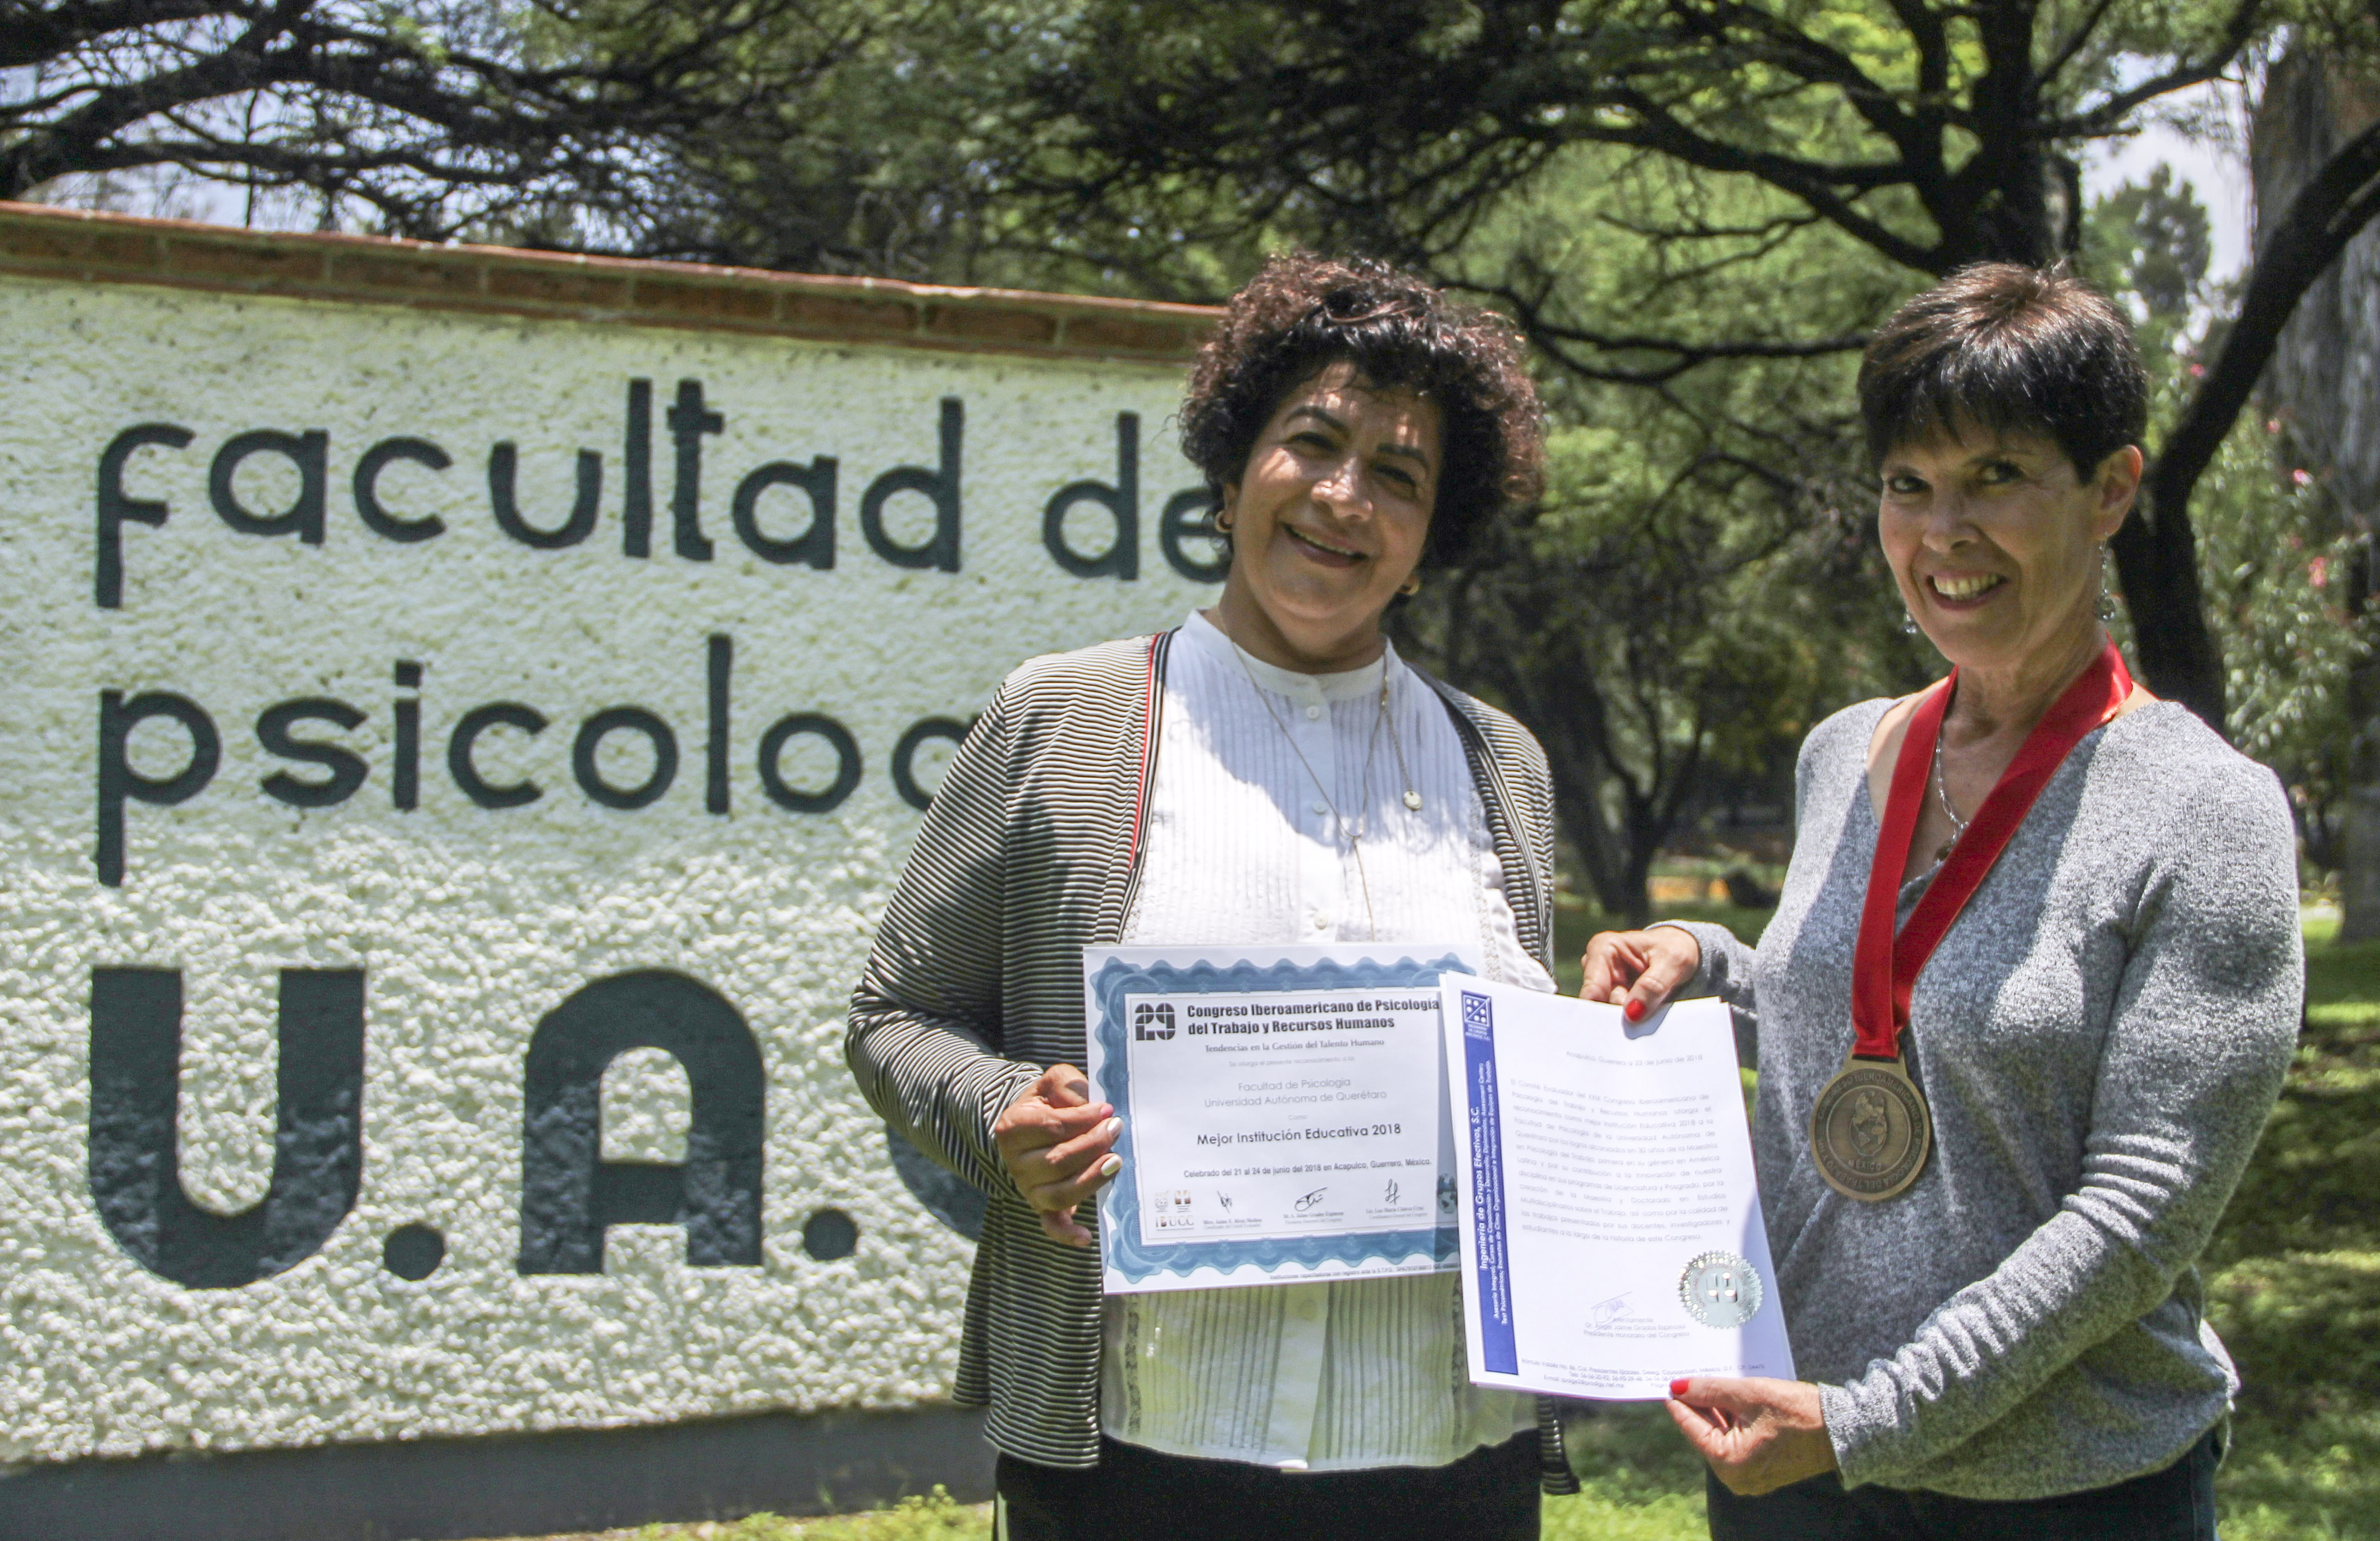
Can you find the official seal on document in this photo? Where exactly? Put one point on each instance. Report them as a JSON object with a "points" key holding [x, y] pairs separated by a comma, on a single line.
{"points": [[1721, 1290]]}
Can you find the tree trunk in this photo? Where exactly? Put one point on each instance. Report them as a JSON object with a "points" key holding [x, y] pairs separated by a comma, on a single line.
{"points": [[2323, 387], [2156, 563]]}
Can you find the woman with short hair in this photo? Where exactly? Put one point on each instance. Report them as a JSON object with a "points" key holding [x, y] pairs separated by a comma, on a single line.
{"points": [[2026, 998], [1271, 772]]}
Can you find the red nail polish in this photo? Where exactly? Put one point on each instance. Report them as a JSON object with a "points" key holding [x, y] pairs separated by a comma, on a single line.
{"points": [[1634, 1010], [1678, 1386]]}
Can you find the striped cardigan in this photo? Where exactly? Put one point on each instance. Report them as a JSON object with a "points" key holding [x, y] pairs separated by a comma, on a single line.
{"points": [[1030, 852]]}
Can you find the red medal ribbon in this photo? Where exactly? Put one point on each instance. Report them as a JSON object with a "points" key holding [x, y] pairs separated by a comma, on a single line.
{"points": [[1885, 968]]}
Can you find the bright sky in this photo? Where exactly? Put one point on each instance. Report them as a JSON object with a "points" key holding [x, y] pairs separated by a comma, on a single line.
{"points": [[2218, 172]]}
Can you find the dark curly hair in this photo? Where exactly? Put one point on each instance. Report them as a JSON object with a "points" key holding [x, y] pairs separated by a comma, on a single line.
{"points": [[1302, 313]]}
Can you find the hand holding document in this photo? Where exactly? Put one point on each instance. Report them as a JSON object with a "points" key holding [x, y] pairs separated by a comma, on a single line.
{"points": [[1612, 1236]]}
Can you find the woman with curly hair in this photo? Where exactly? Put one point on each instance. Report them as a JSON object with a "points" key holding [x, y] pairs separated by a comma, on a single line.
{"points": [[1269, 772]]}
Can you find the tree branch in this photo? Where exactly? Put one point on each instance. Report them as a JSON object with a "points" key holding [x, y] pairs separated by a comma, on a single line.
{"points": [[1813, 183], [31, 35], [2109, 115], [2074, 45], [1818, 63]]}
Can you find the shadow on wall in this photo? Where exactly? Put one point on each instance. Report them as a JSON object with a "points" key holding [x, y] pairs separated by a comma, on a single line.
{"points": [[508, 1485]]}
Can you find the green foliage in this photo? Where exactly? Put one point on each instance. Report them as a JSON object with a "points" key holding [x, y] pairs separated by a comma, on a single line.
{"points": [[1394, 123], [2277, 560], [568, 122], [2310, 1189], [2310, 1324], [1700, 584], [864, 160], [2154, 240]]}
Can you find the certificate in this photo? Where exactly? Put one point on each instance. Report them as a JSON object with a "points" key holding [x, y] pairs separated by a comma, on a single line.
{"points": [[1612, 1237], [1284, 1111]]}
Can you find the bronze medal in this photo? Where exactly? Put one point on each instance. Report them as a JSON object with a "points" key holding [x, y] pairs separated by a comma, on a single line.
{"points": [[1870, 1129]]}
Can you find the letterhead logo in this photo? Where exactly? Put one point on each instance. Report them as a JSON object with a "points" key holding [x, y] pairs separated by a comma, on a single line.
{"points": [[1152, 1019], [1478, 1019]]}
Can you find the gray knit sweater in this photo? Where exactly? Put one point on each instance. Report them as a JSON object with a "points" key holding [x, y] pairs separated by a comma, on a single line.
{"points": [[2100, 1037]]}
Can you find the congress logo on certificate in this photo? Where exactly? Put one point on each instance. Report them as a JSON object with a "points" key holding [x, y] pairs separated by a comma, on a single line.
{"points": [[1285, 1113]]}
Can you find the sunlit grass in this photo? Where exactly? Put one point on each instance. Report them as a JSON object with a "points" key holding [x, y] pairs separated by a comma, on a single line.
{"points": [[2294, 1275], [936, 1518], [1638, 1480]]}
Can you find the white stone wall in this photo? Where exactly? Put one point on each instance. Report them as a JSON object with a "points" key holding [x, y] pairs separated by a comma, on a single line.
{"points": [[470, 924]]}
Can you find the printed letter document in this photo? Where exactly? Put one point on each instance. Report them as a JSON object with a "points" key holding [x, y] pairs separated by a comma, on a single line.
{"points": [[1611, 1234]]}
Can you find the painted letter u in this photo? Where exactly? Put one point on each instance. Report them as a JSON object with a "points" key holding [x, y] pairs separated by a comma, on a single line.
{"points": [[136, 1181]]}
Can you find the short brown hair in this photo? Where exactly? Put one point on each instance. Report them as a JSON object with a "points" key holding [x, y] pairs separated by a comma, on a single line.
{"points": [[1302, 313], [2011, 348]]}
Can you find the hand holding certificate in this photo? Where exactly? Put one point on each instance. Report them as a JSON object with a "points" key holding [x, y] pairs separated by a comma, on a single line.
{"points": [[1611, 1234], [1285, 1113], [1287, 1118]]}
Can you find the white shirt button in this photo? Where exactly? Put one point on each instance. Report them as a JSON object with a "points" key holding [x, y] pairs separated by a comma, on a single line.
{"points": [[1313, 712], [1321, 808], [1322, 922]]}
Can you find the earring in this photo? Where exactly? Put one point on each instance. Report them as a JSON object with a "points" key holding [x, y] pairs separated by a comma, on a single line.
{"points": [[2107, 599], [1909, 623], [1410, 586], [1222, 525]]}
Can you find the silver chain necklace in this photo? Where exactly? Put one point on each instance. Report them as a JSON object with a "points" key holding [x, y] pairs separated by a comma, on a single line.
{"points": [[1942, 796], [1354, 837]]}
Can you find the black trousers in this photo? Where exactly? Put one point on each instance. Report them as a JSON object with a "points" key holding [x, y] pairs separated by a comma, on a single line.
{"points": [[1137, 1494], [2176, 1504]]}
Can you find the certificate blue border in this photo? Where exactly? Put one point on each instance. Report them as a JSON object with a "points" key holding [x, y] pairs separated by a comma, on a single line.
{"points": [[1125, 1251]]}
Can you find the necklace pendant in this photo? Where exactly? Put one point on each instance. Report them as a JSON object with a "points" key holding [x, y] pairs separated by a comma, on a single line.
{"points": [[1413, 800]]}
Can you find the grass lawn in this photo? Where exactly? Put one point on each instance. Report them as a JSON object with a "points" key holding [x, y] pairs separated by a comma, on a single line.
{"points": [[2293, 1286], [2294, 1275]]}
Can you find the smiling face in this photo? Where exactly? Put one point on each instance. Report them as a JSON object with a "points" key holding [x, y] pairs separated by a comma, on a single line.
{"points": [[1994, 542], [1327, 521]]}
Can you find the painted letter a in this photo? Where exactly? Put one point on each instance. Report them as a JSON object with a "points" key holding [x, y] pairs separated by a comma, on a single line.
{"points": [[569, 1194], [318, 1151]]}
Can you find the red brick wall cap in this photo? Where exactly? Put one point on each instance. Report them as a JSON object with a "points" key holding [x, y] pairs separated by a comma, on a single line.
{"points": [[79, 246]]}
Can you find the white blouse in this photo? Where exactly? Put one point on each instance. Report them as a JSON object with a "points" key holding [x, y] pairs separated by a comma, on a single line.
{"points": [[1244, 846]]}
